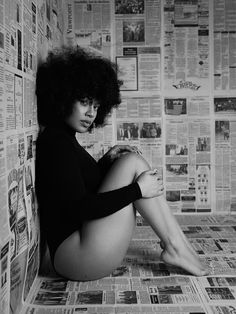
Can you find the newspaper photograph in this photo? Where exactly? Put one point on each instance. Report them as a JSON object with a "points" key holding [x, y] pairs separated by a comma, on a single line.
{"points": [[225, 105], [187, 159]]}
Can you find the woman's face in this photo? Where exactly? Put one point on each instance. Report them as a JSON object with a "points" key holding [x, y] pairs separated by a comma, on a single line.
{"points": [[83, 114]]}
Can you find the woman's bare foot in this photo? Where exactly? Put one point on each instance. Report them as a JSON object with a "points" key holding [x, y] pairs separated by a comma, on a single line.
{"points": [[184, 256]]}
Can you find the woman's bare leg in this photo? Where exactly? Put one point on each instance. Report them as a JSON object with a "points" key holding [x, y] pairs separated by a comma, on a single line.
{"points": [[177, 250], [102, 244]]}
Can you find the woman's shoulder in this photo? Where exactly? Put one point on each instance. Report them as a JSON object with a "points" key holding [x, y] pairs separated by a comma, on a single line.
{"points": [[52, 136]]}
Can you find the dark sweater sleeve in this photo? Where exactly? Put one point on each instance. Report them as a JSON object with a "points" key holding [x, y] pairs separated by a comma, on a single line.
{"points": [[63, 185]]}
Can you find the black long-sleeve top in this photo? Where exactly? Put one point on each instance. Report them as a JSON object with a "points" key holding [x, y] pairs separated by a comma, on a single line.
{"points": [[67, 181]]}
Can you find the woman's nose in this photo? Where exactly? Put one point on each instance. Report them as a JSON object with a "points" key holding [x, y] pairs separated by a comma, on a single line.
{"points": [[90, 111]]}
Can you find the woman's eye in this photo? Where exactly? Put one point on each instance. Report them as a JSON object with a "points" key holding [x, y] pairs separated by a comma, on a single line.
{"points": [[84, 102]]}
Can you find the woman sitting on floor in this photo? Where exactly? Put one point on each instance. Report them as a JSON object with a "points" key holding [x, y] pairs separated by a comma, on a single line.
{"points": [[88, 208]]}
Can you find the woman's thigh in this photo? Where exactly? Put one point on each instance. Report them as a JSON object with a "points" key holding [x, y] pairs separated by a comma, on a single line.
{"points": [[101, 244]]}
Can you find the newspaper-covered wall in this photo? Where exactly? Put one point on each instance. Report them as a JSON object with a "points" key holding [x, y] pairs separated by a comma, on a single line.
{"points": [[177, 62], [28, 29]]}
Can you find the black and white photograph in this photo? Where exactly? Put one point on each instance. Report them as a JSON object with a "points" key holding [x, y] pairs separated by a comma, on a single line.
{"points": [[176, 106], [128, 131], [118, 156], [150, 130], [176, 149], [51, 298], [177, 169], [222, 131], [203, 144], [225, 105], [90, 297], [173, 196], [129, 7], [133, 31], [126, 297]]}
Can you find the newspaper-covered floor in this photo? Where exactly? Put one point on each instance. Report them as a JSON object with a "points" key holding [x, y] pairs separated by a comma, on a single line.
{"points": [[143, 284]]}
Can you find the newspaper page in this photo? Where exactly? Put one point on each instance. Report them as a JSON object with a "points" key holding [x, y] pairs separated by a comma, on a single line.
{"points": [[188, 154], [29, 41], [88, 24], [17, 221], [57, 23], [186, 46], [213, 238], [20, 229], [137, 35], [219, 292], [21, 200], [176, 293], [225, 123], [22, 214], [13, 33], [41, 27], [224, 45]]}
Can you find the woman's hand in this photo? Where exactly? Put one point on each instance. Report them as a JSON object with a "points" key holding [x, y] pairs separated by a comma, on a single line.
{"points": [[150, 183]]}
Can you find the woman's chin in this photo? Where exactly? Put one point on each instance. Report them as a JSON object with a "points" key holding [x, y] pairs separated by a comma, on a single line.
{"points": [[82, 129]]}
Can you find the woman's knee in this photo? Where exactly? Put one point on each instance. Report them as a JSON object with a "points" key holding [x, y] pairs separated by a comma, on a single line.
{"points": [[135, 161], [123, 171]]}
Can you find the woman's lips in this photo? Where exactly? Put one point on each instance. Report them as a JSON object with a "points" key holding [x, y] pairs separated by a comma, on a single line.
{"points": [[86, 123]]}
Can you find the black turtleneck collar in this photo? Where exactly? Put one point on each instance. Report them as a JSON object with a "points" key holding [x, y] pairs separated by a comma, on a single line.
{"points": [[65, 127]]}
